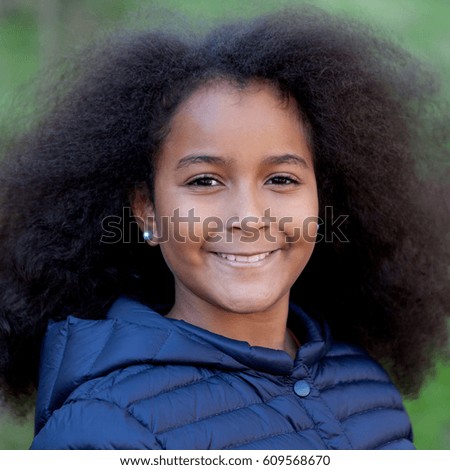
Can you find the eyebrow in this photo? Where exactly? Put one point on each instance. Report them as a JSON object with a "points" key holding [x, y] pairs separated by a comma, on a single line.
{"points": [[287, 158], [192, 159], [272, 160]]}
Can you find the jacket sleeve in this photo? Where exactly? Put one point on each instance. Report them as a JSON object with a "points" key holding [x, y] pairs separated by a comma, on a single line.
{"points": [[94, 424]]}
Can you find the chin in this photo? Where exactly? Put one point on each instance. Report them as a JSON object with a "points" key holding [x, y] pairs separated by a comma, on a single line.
{"points": [[247, 304]]}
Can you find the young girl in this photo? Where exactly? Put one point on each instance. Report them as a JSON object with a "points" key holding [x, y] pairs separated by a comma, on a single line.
{"points": [[214, 242]]}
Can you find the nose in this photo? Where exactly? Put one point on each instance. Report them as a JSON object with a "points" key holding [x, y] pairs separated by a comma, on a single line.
{"points": [[246, 210]]}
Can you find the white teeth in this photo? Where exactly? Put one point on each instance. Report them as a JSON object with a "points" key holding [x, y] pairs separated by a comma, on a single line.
{"points": [[245, 259]]}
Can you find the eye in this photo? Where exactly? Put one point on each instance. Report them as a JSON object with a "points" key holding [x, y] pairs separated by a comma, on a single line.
{"points": [[204, 180], [282, 180]]}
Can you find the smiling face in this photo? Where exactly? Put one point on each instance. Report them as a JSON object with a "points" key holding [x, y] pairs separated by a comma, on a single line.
{"points": [[234, 191]]}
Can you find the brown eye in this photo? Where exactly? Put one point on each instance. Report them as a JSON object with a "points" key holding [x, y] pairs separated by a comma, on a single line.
{"points": [[204, 181], [282, 180]]}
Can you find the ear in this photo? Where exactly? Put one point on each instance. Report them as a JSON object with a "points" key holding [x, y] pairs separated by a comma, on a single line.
{"points": [[144, 212]]}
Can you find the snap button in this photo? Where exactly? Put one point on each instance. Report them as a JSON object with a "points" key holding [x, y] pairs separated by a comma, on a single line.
{"points": [[302, 388]]}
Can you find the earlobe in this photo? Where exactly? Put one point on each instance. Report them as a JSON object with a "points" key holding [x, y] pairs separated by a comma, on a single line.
{"points": [[143, 211], [148, 235]]}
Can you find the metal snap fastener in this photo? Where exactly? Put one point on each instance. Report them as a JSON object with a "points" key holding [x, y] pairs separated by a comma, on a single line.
{"points": [[302, 388]]}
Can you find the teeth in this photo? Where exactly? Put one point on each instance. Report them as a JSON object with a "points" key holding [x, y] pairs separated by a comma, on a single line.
{"points": [[245, 259]]}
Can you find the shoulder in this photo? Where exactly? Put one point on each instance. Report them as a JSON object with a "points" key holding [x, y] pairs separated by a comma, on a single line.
{"points": [[94, 424], [124, 408], [96, 375], [347, 365], [349, 369], [362, 396], [80, 357], [352, 363]]}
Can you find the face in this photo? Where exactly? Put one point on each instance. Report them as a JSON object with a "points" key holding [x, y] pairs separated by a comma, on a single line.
{"points": [[235, 195]]}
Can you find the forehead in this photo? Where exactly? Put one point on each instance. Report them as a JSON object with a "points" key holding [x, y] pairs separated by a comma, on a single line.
{"points": [[222, 117], [219, 97]]}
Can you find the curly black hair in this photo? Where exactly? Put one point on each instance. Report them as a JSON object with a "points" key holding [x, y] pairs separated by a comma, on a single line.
{"points": [[378, 137]]}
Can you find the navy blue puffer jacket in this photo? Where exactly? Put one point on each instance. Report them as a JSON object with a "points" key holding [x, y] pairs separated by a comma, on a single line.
{"points": [[137, 380]]}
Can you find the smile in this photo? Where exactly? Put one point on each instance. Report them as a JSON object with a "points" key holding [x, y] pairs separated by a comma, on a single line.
{"points": [[244, 259]]}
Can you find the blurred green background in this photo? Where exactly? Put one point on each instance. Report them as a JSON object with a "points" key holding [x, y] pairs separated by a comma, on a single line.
{"points": [[33, 33]]}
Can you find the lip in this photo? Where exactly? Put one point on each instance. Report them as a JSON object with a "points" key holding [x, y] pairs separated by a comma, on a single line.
{"points": [[245, 263]]}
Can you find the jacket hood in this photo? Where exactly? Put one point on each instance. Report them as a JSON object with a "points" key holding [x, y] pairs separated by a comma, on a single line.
{"points": [[77, 350]]}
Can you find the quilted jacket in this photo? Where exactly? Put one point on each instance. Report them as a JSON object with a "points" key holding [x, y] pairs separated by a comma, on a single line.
{"points": [[138, 380]]}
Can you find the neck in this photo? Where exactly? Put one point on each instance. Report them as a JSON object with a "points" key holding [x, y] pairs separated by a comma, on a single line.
{"points": [[258, 328]]}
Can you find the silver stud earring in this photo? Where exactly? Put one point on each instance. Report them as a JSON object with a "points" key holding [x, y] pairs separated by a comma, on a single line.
{"points": [[148, 235]]}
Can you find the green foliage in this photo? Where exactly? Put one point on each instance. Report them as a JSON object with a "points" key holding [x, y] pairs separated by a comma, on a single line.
{"points": [[430, 413], [13, 435], [420, 25]]}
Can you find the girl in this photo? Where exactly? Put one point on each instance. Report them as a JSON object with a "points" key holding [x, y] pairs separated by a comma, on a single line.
{"points": [[222, 239]]}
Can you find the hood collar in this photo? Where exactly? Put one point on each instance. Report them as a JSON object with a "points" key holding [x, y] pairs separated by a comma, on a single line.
{"points": [[238, 355]]}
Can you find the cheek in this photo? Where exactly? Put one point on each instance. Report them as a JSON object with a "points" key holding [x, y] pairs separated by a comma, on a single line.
{"points": [[182, 257], [181, 229], [297, 220], [301, 231], [179, 220]]}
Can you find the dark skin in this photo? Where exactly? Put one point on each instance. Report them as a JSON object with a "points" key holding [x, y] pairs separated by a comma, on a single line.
{"points": [[258, 157]]}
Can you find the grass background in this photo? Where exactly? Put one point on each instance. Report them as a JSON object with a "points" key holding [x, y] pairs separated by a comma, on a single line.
{"points": [[34, 33]]}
